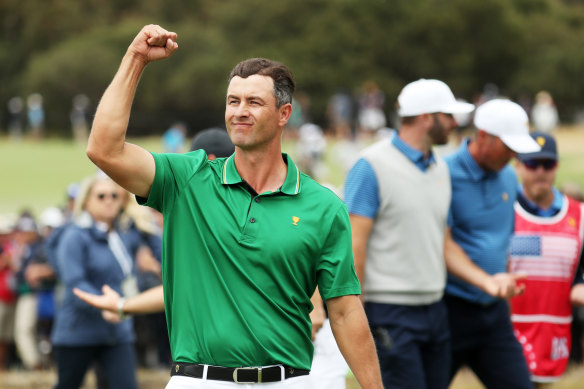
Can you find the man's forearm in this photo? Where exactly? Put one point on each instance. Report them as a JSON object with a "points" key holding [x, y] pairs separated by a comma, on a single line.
{"points": [[461, 266], [108, 132], [500, 285], [149, 301], [351, 331]]}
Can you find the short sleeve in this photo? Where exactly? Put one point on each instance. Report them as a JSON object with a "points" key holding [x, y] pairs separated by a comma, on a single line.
{"points": [[172, 173], [336, 274], [362, 190]]}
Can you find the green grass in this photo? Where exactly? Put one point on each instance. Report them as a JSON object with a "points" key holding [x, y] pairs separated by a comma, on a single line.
{"points": [[35, 175]]}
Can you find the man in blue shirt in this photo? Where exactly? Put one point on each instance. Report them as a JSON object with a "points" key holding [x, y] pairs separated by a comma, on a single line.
{"points": [[484, 188], [398, 195]]}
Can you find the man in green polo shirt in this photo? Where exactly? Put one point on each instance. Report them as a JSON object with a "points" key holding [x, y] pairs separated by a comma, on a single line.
{"points": [[247, 239]]}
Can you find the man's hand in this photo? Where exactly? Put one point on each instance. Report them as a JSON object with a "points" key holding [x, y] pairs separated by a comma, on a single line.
{"points": [[111, 317], [153, 43], [504, 285], [107, 301]]}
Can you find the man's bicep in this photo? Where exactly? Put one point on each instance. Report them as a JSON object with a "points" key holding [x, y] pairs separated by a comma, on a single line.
{"points": [[133, 169], [361, 227], [341, 306]]}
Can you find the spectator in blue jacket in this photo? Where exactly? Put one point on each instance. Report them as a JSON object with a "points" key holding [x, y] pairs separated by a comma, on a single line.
{"points": [[93, 252]]}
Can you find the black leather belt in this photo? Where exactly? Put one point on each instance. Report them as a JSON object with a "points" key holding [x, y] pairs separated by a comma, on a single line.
{"points": [[240, 375]]}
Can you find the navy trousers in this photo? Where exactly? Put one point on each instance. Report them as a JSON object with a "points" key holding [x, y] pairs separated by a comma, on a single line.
{"points": [[482, 338], [117, 363], [413, 344]]}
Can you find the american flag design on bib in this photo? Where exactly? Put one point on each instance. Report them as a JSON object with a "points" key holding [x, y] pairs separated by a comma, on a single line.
{"points": [[548, 249]]}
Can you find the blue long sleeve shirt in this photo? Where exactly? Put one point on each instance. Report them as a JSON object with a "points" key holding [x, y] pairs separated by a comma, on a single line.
{"points": [[85, 261]]}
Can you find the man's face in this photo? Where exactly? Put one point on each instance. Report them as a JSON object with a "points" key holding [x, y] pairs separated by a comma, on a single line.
{"points": [[496, 154], [251, 116], [537, 176], [443, 124]]}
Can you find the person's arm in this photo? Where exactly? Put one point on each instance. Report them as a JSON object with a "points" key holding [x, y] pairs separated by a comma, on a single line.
{"points": [[362, 199], [361, 227], [351, 331], [35, 273], [129, 165], [149, 301], [577, 295], [317, 315], [577, 292], [146, 262], [503, 285]]}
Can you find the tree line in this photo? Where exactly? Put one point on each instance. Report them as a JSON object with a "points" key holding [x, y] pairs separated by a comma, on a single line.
{"points": [[61, 48]]}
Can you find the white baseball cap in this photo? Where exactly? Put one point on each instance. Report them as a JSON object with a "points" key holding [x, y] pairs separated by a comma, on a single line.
{"points": [[508, 121], [429, 96], [52, 217]]}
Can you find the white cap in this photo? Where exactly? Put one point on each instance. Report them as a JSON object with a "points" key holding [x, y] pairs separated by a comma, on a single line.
{"points": [[508, 121], [429, 96], [52, 217]]}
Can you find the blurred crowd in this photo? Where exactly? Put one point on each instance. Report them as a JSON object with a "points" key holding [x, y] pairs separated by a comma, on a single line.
{"points": [[31, 283], [33, 280]]}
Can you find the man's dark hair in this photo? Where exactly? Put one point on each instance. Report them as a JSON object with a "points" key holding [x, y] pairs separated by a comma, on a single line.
{"points": [[282, 76], [407, 120]]}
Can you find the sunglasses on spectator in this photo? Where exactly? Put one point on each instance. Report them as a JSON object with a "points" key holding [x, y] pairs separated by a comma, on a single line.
{"points": [[547, 164], [103, 196]]}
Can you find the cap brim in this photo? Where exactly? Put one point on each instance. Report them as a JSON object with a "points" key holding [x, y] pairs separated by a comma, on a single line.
{"points": [[458, 107], [521, 144], [537, 155]]}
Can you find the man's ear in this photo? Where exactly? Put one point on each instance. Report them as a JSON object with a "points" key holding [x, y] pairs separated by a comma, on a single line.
{"points": [[482, 136], [285, 112], [427, 119]]}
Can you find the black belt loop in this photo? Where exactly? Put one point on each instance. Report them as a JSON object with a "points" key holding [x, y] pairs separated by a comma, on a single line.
{"points": [[240, 375]]}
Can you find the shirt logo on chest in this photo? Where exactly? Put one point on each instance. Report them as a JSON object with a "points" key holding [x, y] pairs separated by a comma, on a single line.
{"points": [[295, 220]]}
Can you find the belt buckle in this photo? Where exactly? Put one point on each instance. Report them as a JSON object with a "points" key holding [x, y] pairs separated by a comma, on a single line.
{"points": [[236, 372]]}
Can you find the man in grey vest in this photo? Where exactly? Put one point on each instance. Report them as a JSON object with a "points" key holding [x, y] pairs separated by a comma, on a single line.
{"points": [[398, 195]]}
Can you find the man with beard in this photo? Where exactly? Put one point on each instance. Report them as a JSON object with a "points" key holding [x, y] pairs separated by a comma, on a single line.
{"points": [[398, 195]]}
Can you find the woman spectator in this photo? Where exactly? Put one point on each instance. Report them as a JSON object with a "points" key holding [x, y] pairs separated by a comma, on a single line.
{"points": [[93, 252]]}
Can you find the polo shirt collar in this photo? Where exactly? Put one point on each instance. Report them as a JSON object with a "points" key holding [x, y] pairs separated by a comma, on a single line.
{"points": [[416, 156], [291, 186], [475, 172]]}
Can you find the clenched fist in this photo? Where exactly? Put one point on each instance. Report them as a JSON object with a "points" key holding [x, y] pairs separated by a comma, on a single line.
{"points": [[153, 43]]}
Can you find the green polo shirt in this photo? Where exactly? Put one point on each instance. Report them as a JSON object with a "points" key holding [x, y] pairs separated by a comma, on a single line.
{"points": [[239, 269]]}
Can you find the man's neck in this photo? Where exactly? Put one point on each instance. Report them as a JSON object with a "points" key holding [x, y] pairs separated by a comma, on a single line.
{"points": [[263, 170]]}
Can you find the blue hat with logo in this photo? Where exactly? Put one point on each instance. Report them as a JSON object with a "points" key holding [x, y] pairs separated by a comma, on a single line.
{"points": [[549, 149]]}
